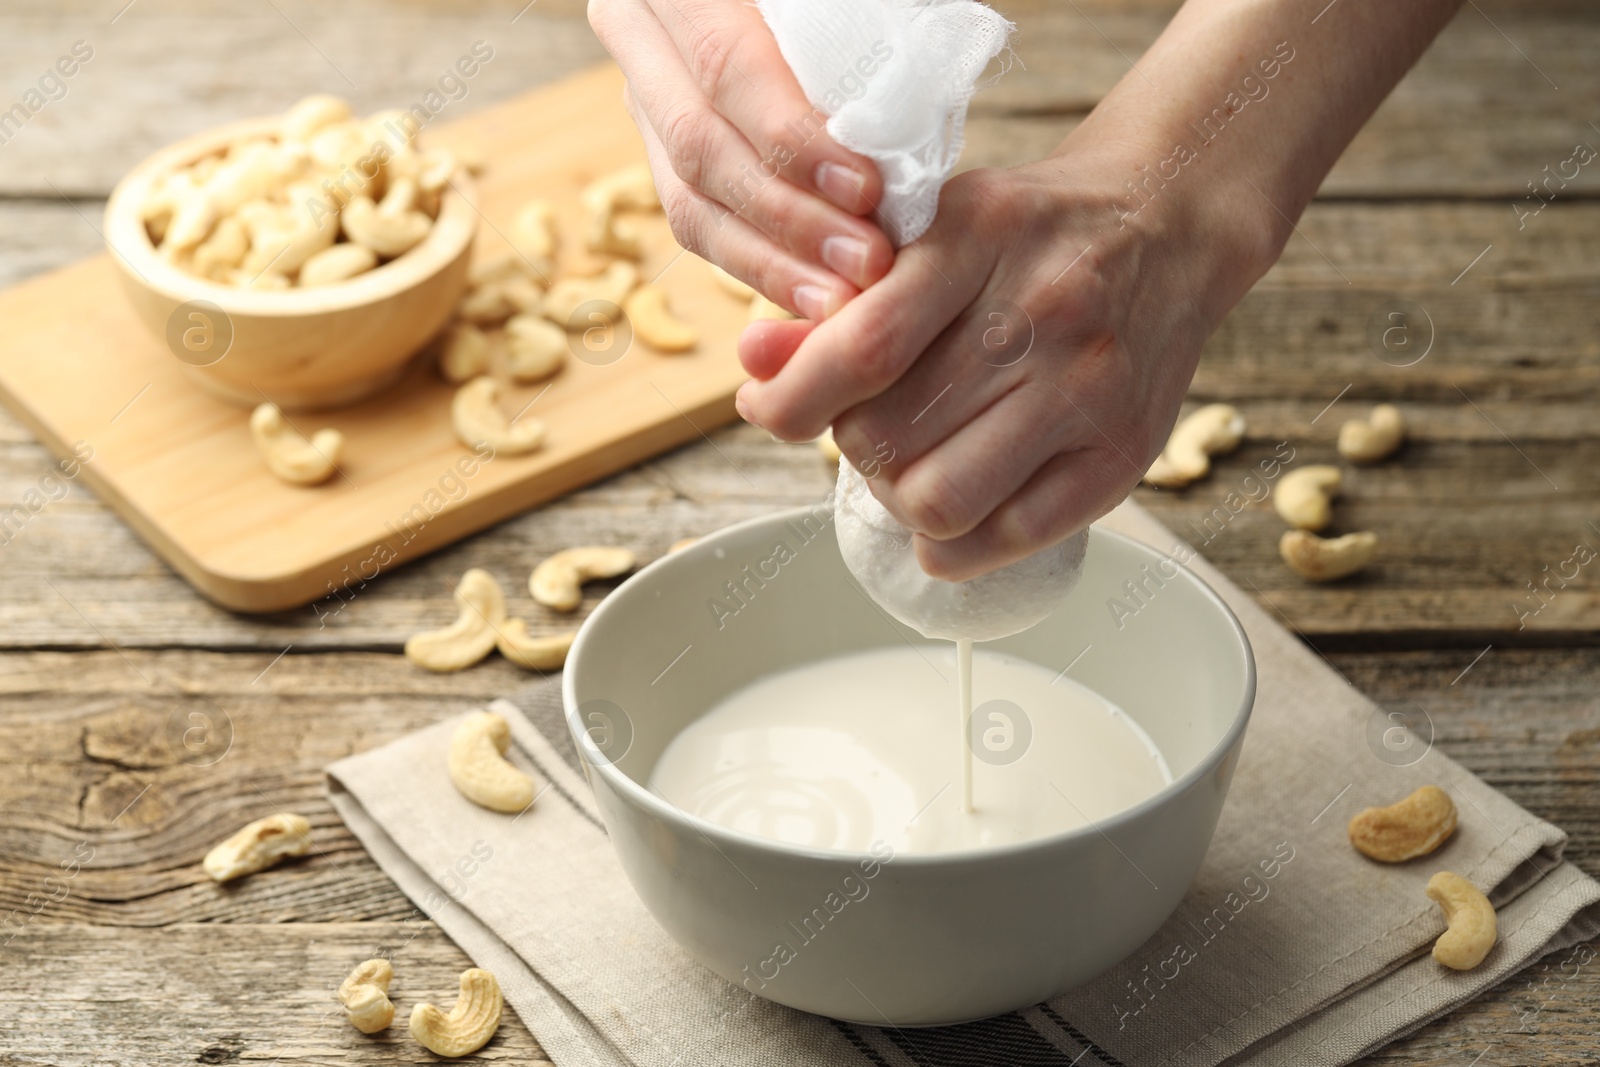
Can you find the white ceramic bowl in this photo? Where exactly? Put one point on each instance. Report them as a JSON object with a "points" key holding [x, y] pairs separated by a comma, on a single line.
{"points": [[937, 938]]}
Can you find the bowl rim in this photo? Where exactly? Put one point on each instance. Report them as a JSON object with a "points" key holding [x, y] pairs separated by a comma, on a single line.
{"points": [[128, 242], [654, 804]]}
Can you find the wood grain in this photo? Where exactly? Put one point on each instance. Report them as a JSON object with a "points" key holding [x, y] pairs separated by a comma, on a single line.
{"points": [[145, 962], [180, 466]]}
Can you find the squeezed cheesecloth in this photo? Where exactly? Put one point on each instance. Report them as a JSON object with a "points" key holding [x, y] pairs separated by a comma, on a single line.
{"points": [[895, 78]]}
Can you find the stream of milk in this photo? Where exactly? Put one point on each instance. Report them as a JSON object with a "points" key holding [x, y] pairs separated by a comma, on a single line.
{"points": [[846, 751]]}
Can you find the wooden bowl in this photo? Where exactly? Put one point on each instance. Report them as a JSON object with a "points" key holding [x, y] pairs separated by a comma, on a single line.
{"points": [[300, 348]]}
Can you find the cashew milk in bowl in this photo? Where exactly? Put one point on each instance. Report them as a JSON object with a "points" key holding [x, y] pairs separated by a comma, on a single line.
{"points": [[871, 746]]}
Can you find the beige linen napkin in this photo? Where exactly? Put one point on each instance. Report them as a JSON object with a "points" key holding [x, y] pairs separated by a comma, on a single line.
{"points": [[1288, 949]]}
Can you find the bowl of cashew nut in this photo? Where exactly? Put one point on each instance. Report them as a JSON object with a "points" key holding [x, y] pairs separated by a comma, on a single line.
{"points": [[300, 259]]}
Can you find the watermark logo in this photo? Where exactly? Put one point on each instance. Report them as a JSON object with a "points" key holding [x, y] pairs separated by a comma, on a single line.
{"points": [[606, 729], [1400, 332], [598, 333], [1007, 335], [199, 332], [999, 732], [1399, 738], [199, 738]]}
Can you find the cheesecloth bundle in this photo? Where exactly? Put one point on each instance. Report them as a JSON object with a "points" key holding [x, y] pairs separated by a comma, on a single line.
{"points": [[895, 77]]}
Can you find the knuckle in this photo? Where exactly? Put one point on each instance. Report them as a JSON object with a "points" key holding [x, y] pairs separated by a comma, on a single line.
{"points": [[688, 136], [874, 361], [709, 61], [686, 219], [930, 500]]}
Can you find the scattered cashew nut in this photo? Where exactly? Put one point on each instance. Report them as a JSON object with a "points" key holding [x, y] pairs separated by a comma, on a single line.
{"points": [[470, 1024], [734, 287], [654, 324], [288, 454], [1405, 829], [464, 353], [1470, 918], [828, 446], [337, 263], [1327, 559], [1304, 496], [479, 769], [611, 286], [472, 636], [365, 996], [1375, 439], [475, 416], [762, 308], [533, 232], [258, 846], [547, 653], [557, 582], [535, 348], [1212, 430]]}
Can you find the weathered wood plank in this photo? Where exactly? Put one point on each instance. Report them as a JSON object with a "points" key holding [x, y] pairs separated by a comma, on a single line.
{"points": [[150, 758], [205, 993], [85, 997], [1476, 118], [90, 734]]}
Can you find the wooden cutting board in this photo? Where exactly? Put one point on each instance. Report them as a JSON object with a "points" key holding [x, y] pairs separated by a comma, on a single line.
{"points": [[180, 467]]}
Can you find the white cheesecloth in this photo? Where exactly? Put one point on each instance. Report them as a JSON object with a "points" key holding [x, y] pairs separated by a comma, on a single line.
{"points": [[894, 78]]}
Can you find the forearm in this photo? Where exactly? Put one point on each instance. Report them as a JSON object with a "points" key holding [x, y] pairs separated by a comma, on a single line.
{"points": [[1241, 107]]}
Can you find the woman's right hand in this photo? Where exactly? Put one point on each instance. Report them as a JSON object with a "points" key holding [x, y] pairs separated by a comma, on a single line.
{"points": [[747, 173]]}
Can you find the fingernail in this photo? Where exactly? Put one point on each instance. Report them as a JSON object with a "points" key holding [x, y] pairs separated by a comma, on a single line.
{"points": [[814, 302], [847, 256], [841, 184], [741, 407]]}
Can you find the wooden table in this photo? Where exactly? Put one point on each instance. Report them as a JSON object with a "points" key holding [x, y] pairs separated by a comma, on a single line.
{"points": [[106, 658]]}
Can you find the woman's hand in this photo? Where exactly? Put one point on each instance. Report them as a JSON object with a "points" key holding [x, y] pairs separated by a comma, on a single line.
{"points": [[748, 176], [1014, 374]]}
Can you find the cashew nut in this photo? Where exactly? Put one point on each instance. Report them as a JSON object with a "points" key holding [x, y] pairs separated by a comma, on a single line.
{"points": [[1304, 496], [1326, 559], [533, 232], [631, 188], [828, 446], [762, 308], [1212, 430], [337, 263], [470, 1024], [535, 348], [547, 653], [1470, 918], [365, 996], [680, 544], [224, 249], [734, 287], [1406, 829], [472, 636], [557, 582], [608, 235], [259, 846], [312, 114], [464, 353], [1377, 438], [389, 231], [283, 239], [479, 769], [488, 304], [610, 288], [646, 308], [287, 452], [475, 416]]}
